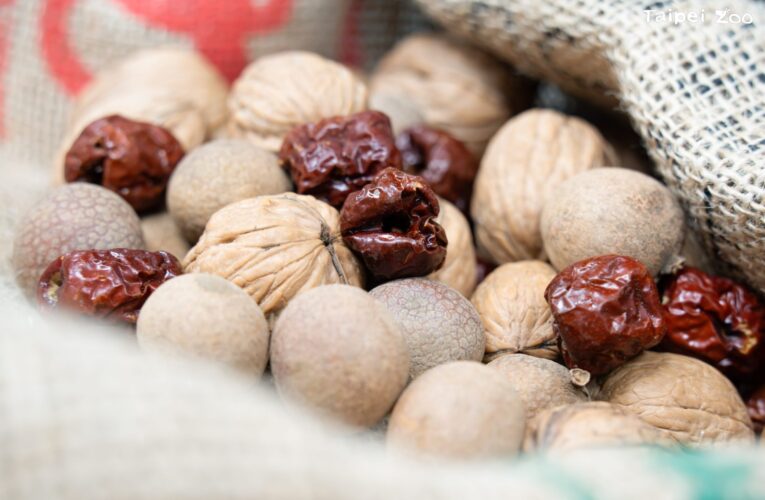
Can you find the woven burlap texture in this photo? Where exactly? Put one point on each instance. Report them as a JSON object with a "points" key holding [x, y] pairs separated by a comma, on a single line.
{"points": [[694, 87], [38, 81]]}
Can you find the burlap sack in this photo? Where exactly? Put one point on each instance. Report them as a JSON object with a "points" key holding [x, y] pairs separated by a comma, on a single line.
{"points": [[49, 49], [688, 73]]}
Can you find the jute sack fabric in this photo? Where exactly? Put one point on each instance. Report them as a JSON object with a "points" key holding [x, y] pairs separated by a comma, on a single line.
{"points": [[50, 49], [690, 74]]}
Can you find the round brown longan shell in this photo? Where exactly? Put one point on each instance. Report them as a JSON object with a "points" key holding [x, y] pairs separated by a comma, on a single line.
{"points": [[461, 409], [337, 349], [160, 232], [219, 173], [208, 317], [75, 216], [613, 211], [438, 323], [541, 383]]}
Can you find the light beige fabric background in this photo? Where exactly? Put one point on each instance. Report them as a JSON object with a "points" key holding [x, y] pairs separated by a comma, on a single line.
{"points": [[49, 48]]}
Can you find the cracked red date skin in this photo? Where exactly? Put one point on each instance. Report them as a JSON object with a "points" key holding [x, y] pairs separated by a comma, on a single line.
{"points": [[606, 311], [443, 161], [716, 320], [390, 224], [133, 159], [111, 284], [336, 156]]}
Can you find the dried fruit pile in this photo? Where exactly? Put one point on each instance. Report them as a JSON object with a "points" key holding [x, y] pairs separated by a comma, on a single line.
{"points": [[410, 257]]}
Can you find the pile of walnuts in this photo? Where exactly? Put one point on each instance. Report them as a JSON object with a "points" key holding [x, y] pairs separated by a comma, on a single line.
{"points": [[472, 280]]}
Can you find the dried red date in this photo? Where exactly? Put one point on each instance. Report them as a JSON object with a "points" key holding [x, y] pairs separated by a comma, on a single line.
{"points": [[443, 161], [606, 311], [334, 157], [755, 405], [133, 159], [390, 225], [112, 284], [716, 320]]}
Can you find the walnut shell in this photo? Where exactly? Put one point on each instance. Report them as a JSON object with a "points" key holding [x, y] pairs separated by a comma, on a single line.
{"points": [[540, 383], [529, 156], [174, 88], [181, 75], [613, 211], [280, 91], [450, 85], [588, 425], [75, 216], [459, 269], [275, 247], [218, 173], [515, 315], [689, 400]]}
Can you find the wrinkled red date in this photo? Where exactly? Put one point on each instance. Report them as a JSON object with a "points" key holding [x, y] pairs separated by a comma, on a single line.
{"points": [[606, 310], [716, 320], [755, 405], [443, 161], [390, 225], [133, 159], [112, 284], [334, 157]]}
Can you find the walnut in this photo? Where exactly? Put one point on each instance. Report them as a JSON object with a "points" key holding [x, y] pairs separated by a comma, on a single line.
{"points": [[689, 400], [275, 247], [459, 269], [515, 316], [173, 88], [587, 425], [280, 91], [529, 156], [449, 85]]}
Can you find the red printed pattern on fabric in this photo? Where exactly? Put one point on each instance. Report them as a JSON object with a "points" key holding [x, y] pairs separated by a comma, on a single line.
{"points": [[219, 31]]}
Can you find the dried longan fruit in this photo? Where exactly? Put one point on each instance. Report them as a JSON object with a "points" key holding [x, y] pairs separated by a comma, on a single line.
{"points": [[75, 216]]}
